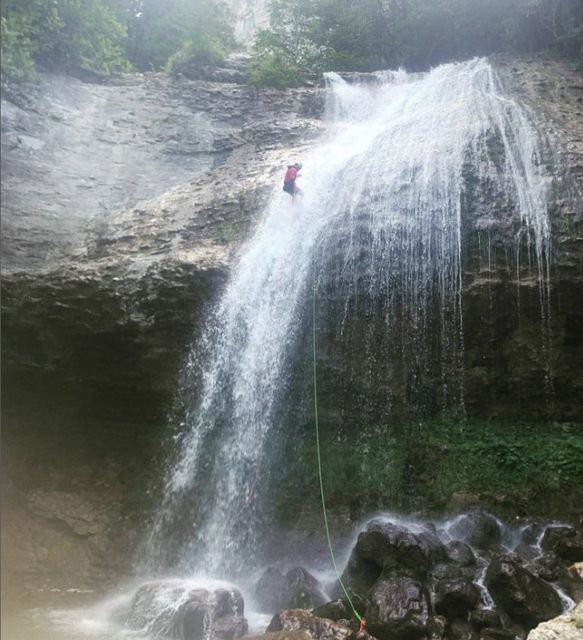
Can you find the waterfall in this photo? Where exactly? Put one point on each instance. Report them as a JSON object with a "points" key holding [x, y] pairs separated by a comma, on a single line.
{"points": [[380, 229]]}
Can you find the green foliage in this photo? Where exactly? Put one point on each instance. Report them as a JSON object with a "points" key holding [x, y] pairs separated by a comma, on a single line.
{"points": [[498, 457], [85, 33], [168, 32], [108, 35], [373, 34], [426, 463], [272, 65]]}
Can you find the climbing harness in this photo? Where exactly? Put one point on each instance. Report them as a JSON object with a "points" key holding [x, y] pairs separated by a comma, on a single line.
{"points": [[361, 620]]}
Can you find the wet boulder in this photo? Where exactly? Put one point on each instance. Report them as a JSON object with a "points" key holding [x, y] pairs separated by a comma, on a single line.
{"points": [[483, 618], [437, 628], [181, 609], [293, 620], [297, 589], [480, 530], [399, 609], [526, 598], [455, 598], [359, 576], [461, 630], [340, 609], [400, 549], [461, 553], [497, 634], [527, 552], [566, 542]]}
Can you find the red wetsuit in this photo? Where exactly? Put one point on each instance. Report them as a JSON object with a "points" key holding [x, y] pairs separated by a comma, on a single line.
{"points": [[289, 182]]}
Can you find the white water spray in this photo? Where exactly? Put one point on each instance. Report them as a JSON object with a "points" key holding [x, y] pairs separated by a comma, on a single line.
{"points": [[381, 223]]}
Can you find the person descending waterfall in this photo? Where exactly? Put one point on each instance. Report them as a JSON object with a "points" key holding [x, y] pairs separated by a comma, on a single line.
{"points": [[289, 182]]}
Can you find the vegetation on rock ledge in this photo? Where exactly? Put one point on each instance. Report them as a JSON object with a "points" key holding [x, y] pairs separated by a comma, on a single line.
{"points": [[421, 466]]}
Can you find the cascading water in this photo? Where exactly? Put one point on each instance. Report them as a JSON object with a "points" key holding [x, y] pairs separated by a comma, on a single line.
{"points": [[381, 226]]}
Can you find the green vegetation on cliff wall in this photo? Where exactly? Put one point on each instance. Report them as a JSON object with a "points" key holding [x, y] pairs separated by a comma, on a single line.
{"points": [[310, 36], [530, 468]]}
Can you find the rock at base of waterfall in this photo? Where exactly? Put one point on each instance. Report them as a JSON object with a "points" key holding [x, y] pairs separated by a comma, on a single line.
{"points": [[526, 598], [317, 628], [456, 598], [479, 530], [461, 553], [340, 609], [565, 627], [281, 635], [437, 628], [179, 609], [485, 618], [298, 589], [397, 547], [399, 608], [565, 541], [497, 634], [573, 581]]}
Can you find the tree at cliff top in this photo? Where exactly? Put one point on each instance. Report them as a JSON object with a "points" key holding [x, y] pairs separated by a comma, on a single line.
{"points": [[111, 35], [315, 35], [85, 33], [161, 29]]}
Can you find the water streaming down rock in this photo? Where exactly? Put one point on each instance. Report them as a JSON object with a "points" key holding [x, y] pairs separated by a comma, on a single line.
{"points": [[381, 226]]}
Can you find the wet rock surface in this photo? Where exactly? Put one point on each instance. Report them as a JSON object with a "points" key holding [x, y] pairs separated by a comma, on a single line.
{"points": [[297, 589], [172, 609], [520, 594], [399, 608], [317, 628], [485, 596]]}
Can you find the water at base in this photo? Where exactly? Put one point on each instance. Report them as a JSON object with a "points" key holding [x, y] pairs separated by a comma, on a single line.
{"points": [[55, 618]]}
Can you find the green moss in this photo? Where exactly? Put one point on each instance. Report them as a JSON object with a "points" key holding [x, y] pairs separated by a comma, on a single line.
{"points": [[421, 466]]}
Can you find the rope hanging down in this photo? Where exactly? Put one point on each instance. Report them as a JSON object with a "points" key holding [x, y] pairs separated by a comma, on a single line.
{"points": [[356, 614]]}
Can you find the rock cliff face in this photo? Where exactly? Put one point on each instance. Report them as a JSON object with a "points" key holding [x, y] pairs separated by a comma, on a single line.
{"points": [[124, 204]]}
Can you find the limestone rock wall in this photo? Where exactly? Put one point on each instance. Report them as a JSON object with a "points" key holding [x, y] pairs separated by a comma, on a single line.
{"points": [[124, 204]]}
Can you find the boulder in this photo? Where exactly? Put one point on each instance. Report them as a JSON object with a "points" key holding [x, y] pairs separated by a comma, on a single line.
{"points": [[340, 609], [482, 618], [525, 598], [181, 609], [437, 628], [566, 627], [298, 589], [398, 548], [317, 628], [461, 553], [456, 598], [359, 576], [399, 608], [566, 542], [461, 630], [480, 530], [527, 551], [281, 635], [573, 581], [497, 634]]}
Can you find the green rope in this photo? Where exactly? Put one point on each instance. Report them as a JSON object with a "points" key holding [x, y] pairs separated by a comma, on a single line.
{"points": [[357, 615]]}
